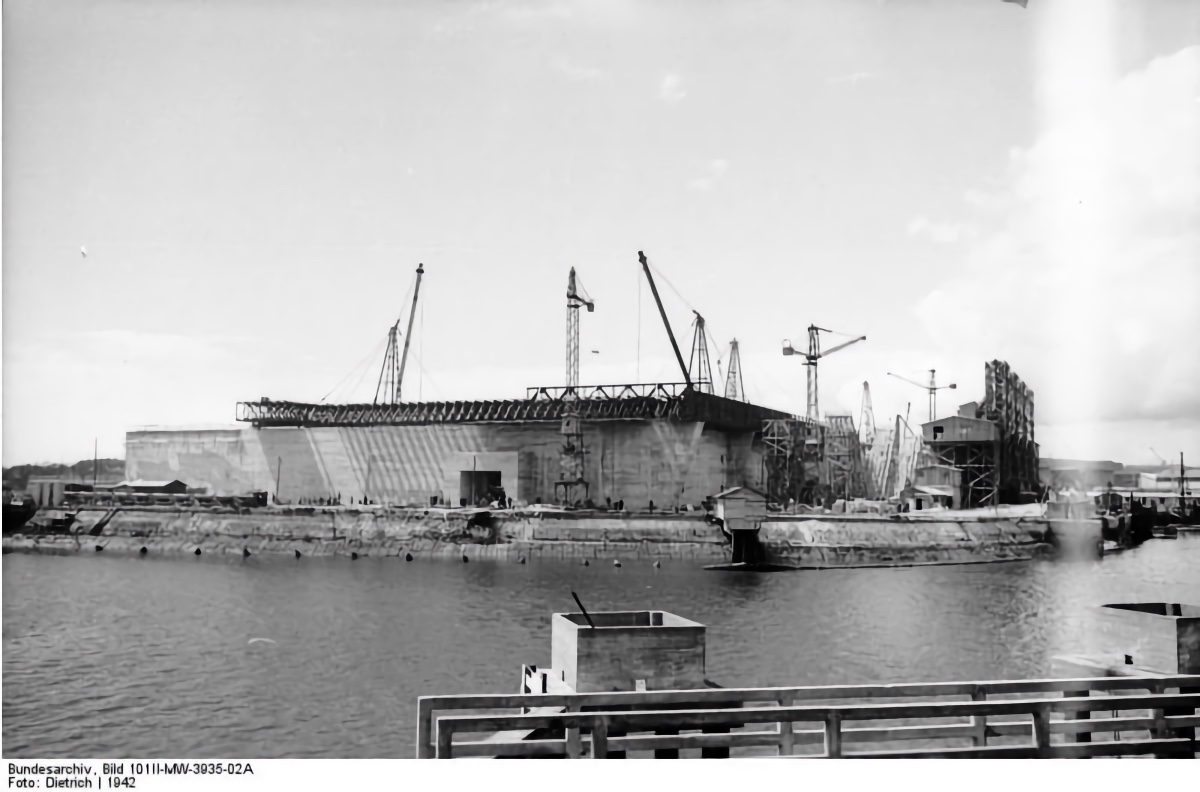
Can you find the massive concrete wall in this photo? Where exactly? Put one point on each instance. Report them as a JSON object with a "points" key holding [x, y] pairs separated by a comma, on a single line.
{"points": [[227, 461], [671, 463]]}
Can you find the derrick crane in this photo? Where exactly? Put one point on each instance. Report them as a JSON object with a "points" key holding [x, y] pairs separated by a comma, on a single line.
{"points": [[394, 360], [733, 378], [932, 388], [699, 357], [687, 377], [574, 301], [810, 360]]}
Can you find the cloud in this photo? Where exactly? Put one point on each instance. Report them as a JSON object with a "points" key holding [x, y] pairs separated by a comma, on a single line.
{"points": [[941, 233], [1088, 283], [574, 72], [852, 79], [670, 88], [708, 182]]}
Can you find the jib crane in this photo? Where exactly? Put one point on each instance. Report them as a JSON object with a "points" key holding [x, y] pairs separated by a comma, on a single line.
{"points": [[810, 360], [392, 373], [687, 377], [932, 388]]}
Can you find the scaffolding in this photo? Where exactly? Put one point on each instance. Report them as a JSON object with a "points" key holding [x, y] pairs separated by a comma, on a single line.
{"points": [[845, 458], [978, 462], [793, 458]]}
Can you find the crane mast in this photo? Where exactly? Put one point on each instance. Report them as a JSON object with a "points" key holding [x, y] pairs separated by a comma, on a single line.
{"points": [[866, 420], [700, 358], [733, 378], [574, 302]]}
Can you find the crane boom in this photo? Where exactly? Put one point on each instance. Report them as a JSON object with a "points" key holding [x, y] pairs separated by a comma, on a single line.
{"points": [[932, 388], [843, 346], [666, 322], [921, 385], [408, 334]]}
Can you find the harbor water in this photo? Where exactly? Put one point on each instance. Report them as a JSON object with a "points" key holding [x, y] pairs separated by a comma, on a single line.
{"points": [[124, 656]]}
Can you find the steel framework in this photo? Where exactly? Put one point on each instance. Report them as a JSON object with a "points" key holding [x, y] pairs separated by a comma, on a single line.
{"points": [[699, 368], [1008, 403], [978, 463], [670, 401], [574, 303], [844, 456], [793, 458], [733, 378]]}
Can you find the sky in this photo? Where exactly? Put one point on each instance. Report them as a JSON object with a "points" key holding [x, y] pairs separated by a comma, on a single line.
{"points": [[255, 183]]}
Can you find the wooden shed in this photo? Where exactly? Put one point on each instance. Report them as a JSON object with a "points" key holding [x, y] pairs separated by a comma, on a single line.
{"points": [[740, 507]]}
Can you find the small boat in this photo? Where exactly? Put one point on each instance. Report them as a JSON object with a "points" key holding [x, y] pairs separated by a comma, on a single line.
{"points": [[1165, 532]]}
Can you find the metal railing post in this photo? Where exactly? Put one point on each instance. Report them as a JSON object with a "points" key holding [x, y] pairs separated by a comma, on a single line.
{"points": [[424, 728], [445, 739], [787, 738], [833, 735], [1041, 731], [979, 722], [573, 739], [600, 739]]}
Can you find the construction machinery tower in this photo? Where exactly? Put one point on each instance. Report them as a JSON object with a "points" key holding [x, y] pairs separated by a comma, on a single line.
{"points": [[932, 388], [391, 375], [571, 458], [574, 302], [866, 418], [810, 360], [699, 363], [733, 378]]}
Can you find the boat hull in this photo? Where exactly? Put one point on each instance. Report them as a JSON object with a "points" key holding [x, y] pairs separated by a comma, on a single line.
{"points": [[825, 542]]}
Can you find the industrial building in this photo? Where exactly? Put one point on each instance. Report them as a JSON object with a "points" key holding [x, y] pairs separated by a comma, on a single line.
{"points": [[643, 446], [667, 444]]}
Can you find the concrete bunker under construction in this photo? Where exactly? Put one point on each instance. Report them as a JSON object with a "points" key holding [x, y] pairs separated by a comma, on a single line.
{"points": [[665, 443]]}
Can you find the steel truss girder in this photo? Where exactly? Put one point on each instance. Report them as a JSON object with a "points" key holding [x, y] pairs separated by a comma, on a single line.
{"points": [[670, 401]]}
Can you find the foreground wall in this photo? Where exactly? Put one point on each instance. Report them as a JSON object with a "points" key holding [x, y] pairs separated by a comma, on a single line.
{"points": [[670, 463]]}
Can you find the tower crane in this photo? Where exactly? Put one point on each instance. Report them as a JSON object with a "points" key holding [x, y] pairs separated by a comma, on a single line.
{"points": [[574, 301], [810, 360], [733, 378], [394, 360], [932, 388]]}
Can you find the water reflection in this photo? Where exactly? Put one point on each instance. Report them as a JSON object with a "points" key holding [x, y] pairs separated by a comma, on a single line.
{"points": [[152, 656]]}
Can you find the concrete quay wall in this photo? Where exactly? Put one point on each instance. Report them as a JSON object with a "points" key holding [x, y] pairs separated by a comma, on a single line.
{"points": [[334, 532], [830, 543], [813, 543]]}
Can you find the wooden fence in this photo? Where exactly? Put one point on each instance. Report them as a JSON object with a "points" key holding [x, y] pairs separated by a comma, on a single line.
{"points": [[600, 724]]}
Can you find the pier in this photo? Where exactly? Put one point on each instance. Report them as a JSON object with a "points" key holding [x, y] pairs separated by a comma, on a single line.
{"points": [[629, 683]]}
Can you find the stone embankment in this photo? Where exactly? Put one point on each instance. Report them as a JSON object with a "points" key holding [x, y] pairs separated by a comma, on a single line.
{"points": [[374, 532]]}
